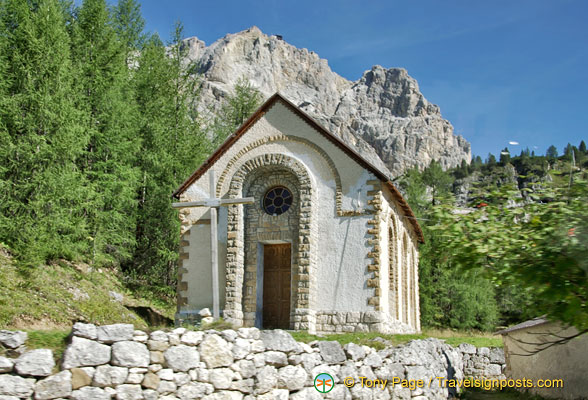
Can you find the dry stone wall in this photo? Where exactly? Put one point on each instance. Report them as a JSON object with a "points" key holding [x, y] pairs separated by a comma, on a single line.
{"points": [[119, 362]]}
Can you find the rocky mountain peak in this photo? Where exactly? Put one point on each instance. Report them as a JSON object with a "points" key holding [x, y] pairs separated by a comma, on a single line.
{"points": [[383, 115]]}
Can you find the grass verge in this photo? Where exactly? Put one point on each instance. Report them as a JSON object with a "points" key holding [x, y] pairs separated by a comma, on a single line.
{"points": [[373, 339]]}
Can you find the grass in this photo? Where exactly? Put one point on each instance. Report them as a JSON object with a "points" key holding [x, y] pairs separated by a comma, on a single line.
{"points": [[52, 339], [478, 339], [55, 296]]}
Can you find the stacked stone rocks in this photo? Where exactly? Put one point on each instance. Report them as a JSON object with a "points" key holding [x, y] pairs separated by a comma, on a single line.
{"points": [[483, 361], [118, 362]]}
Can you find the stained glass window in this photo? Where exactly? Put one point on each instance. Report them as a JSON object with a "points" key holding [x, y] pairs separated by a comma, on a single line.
{"points": [[277, 200]]}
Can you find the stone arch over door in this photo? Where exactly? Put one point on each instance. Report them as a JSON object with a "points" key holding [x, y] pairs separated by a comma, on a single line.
{"points": [[238, 305]]}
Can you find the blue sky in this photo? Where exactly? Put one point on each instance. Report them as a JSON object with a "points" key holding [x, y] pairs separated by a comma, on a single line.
{"points": [[499, 70]]}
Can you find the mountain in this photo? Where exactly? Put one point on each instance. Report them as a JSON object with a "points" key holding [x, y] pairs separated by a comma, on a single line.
{"points": [[383, 115]]}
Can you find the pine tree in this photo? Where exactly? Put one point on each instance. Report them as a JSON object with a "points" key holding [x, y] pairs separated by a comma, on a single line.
{"points": [[106, 97], [438, 180], [491, 160], [173, 147], [42, 191], [448, 297], [582, 147], [504, 156], [236, 109], [551, 152], [129, 24], [477, 163]]}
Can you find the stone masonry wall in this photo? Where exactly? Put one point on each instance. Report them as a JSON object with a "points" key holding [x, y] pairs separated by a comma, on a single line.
{"points": [[118, 362]]}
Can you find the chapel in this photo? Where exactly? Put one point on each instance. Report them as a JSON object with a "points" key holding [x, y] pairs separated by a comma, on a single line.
{"points": [[326, 243]]}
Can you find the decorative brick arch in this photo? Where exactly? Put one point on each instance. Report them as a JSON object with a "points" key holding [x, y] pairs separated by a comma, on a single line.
{"points": [[305, 274]]}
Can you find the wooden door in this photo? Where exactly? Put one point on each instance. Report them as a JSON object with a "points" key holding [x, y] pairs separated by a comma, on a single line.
{"points": [[276, 286]]}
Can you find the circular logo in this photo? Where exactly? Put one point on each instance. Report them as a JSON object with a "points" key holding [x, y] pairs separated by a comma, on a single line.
{"points": [[324, 383]]}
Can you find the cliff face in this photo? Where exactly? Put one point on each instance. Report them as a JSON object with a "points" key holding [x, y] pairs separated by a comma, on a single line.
{"points": [[383, 115]]}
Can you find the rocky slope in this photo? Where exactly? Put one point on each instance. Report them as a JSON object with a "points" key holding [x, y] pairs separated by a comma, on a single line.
{"points": [[383, 115]]}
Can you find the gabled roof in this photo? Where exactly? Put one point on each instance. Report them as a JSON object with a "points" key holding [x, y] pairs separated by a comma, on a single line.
{"points": [[332, 138], [523, 325]]}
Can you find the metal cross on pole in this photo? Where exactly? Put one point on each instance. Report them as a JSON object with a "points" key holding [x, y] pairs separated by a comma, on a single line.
{"points": [[213, 202]]}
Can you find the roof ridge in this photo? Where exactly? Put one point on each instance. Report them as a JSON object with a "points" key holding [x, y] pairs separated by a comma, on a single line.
{"points": [[233, 138]]}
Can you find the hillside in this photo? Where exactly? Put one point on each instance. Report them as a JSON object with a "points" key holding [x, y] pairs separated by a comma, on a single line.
{"points": [[56, 295]]}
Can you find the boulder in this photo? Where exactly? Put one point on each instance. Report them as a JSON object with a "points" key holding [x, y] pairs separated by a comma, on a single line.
{"points": [[88, 331], [205, 312], [80, 378], [496, 356], [467, 348], [194, 390], [292, 377], [192, 338], [246, 368], [166, 387], [135, 378], [6, 364], [275, 358], [167, 374], [129, 392], [267, 379], [280, 340], [229, 335], [12, 340], [150, 394], [158, 336], [331, 352], [115, 333], [221, 378], [243, 385], [53, 387], [181, 378], [11, 385], [373, 360], [85, 353], [182, 357], [215, 352], [107, 375], [354, 351], [241, 348], [35, 363], [130, 354], [150, 381], [90, 393]]}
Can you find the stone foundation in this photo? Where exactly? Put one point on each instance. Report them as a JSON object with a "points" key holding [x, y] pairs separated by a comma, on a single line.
{"points": [[359, 321]]}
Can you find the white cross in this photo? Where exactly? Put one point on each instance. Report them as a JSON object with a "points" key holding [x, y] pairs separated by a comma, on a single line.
{"points": [[213, 202]]}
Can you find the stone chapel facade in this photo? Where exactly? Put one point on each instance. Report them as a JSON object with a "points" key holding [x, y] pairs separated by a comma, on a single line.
{"points": [[329, 245]]}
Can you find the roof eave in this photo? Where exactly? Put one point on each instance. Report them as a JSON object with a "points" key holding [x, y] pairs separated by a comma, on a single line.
{"points": [[328, 135]]}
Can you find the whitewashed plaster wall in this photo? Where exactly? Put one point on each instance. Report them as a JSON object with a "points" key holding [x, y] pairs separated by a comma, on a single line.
{"points": [[568, 361], [404, 297], [342, 246]]}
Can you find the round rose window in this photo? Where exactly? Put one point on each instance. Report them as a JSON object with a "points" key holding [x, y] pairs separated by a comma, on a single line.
{"points": [[277, 200]]}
